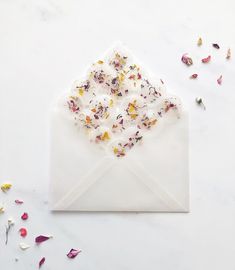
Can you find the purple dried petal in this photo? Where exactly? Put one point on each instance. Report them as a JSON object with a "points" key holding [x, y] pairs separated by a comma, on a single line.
{"points": [[73, 253], [18, 202], [41, 262], [215, 45], [41, 238], [219, 80]]}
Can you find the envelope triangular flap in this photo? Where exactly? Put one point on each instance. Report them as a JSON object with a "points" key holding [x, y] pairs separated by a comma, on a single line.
{"points": [[119, 190]]}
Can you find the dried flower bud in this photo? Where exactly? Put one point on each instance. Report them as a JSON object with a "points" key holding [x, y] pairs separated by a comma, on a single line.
{"points": [[199, 42], [186, 59]]}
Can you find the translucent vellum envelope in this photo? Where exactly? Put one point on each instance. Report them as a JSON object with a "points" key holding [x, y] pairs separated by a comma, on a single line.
{"points": [[119, 150]]}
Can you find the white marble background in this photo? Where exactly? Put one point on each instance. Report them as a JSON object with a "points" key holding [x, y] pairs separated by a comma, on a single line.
{"points": [[44, 46]]}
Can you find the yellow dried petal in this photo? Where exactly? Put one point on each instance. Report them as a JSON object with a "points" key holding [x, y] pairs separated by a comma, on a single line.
{"points": [[105, 136], [228, 56], [81, 91], [111, 103], [131, 108], [100, 62], [199, 42], [121, 77], [133, 116], [115, 150], [5, 187], [2, 209]]}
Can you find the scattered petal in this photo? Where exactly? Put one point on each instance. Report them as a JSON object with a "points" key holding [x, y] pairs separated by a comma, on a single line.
{"points": [[24, 246], [25, 216], [5, 187], [23, 232], [73, 253], [10, 223], [199, 42], [41, 238], [199, 101], [41, 262], [207, 59], [228, 55], [219, 80], [215, 45], [2, 209], [186, 59], [18, 202], [193, 76]]}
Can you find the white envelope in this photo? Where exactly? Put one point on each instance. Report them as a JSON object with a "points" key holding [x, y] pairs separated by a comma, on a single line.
{"points": [[152, 177]]}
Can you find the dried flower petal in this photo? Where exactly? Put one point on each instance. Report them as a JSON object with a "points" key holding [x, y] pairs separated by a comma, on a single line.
{"points": [[193, 76], [186, 59], [5, 187], [24, 246], [207, 59], [73, 253], [41, 238], [41, 262], [18, 202], [215, 45], [25, 216], [2, 209], [199, 42], [219, 80], [228, 55], [23, 232], [199, 101]]}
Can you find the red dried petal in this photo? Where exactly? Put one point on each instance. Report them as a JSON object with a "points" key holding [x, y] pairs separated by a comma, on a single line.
{"points": [[207, 59], [194, 76], [41, 238], [219, 80], [18, 202], [25, 216], [41, 262], [73, 253], [23, 232]]}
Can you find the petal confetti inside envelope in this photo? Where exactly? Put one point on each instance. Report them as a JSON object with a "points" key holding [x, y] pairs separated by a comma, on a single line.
{"points": [[119, 142]]}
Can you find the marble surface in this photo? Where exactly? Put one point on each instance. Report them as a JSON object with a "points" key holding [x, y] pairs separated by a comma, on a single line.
{"points": [[44, 46]]}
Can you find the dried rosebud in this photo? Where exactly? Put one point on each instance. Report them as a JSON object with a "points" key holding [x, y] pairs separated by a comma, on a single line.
{"points": [[41, 238], [73, 253], [215, 45], [193, 76], [228, 55], [41, 262], [23, 232], [207, 59], [25, 216], [19, 202], [199, 42], [219, 80], [186, 59]]}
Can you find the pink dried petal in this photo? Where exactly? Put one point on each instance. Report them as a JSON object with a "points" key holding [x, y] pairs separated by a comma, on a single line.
{"points": [[186, 59], [41, 238], [41, 262], [25, 216], [18, 202], [219, 80], [73, 253], [194, 76], [23, 232], [207, 59]]}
